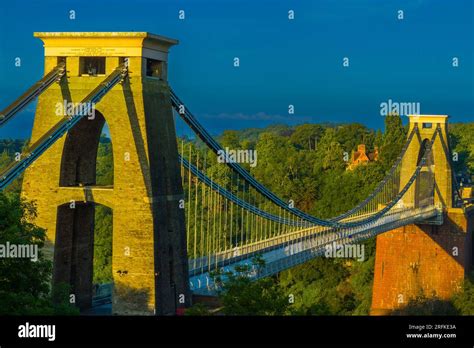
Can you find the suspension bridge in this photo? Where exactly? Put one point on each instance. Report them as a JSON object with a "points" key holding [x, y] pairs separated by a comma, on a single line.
{"points": [[176, 221]]}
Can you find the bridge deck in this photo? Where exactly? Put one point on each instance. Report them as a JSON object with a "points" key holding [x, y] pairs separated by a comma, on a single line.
{"points": [[282, 252]]}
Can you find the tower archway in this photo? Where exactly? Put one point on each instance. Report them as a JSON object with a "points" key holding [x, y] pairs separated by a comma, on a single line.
{"points": [[79, 157], [424, 185]]}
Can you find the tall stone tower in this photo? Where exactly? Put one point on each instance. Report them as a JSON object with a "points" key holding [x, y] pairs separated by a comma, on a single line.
{"points": [[424, 260], [149, 260], [440, 166]]}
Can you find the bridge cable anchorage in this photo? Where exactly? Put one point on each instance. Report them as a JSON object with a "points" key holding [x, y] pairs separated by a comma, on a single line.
{"points": [[55, 75], [58, 130]]}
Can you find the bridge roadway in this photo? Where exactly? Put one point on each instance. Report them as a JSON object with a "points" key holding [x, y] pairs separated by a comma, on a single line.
{"points": [[285, 251]]}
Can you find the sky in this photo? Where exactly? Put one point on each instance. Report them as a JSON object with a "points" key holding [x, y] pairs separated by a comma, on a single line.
{"points": [[283, 62]]}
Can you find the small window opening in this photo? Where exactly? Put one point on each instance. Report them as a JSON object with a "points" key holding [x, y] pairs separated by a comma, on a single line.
{"points": [[123, 60], [427, 125], [61, 60], [154, 68], [92, 66]]}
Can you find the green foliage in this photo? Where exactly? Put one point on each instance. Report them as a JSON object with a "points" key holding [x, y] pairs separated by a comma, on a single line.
{"points": [[463, 301], [344, 190], [61, 300], [422, 305], [393, 140], [306, 136], [241, 295], [6, 158], [102, 245], [361, 279], [330, 287], [11, 146], [24, 284], [462, 142], [352, 134], [330, 152], [230, 139], [252, 134], [314, 286], [198, 309], [278, 165], [103, 216], [378, 140], [105, 162]]}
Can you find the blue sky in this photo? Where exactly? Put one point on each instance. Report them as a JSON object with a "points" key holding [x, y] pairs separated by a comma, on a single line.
{"points": [[282, 62]]}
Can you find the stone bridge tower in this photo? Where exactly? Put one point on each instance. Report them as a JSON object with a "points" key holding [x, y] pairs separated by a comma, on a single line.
{"points": [[430, 259], [439, 161], [149, 261]]}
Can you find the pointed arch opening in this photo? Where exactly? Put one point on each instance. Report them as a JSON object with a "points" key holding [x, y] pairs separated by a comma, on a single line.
{"points": [[425, 183], [83, 252], [87, 158]]}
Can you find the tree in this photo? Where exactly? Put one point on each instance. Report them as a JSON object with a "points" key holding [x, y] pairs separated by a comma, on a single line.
{"points": [[352, 134], [306, 136], [462, 143], [393, 139], [378, 140], [319, 287], [361, 279], [102, 245], [242, 295], [5, 159], [198, 309], [422, 305], [331, 153], [463, 301], [277, 167], [105, 162], [25, 284], [230, 139]]}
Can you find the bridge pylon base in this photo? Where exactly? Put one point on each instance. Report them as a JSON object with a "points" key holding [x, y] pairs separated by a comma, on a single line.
{"points": [[427, 261]]}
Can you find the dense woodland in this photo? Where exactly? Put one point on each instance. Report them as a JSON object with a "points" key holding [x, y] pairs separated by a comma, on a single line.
{"points": [[303, 163]]}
